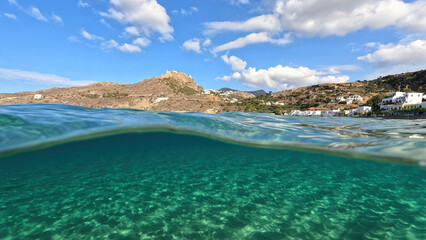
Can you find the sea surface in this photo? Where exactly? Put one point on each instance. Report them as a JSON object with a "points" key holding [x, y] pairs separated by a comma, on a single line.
{"points": [[69, 172]]}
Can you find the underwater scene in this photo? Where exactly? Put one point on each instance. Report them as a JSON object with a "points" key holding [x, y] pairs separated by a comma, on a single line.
{"points": [[71, 172]]}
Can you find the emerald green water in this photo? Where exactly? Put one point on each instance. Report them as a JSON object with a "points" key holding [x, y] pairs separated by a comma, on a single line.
{"points": [[171, 186]]}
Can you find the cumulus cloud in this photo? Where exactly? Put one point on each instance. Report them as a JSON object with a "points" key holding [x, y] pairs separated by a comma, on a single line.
{"points": [[11, 16], [129, 48], [109, 44], [278, 77], [331, 17], [142, 42], [51, 79], [339, 68], [134, 47], [263, 23], [413, 53], [253, 38], [196, 45], [192, 45], [237, 64], [132, 31], [147, 16]]}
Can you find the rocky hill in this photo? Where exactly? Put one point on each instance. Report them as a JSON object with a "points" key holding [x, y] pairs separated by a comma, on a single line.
{"points": [[321, 97], [172, 91], [178, 92]]}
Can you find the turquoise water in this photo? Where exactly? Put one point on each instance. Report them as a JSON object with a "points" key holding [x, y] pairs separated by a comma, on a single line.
{"points": [[78, 173]]}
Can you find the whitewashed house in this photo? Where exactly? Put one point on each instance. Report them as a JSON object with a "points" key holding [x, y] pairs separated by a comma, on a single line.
{"points": [[401, 100], [295, 113], [354, 98], [38, 96], [316, 113], [160, 99], [364, 109], [340, 99]]}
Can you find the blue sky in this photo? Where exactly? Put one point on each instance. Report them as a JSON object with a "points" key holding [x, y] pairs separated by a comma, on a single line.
{"points": [[243, 44]]}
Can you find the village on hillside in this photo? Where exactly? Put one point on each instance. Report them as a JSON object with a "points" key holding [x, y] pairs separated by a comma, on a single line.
{"points": [[397, 101]]}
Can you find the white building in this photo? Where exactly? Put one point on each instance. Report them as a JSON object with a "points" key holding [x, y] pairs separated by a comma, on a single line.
{"points": [[363, 109], [38, 96], [340, 99], [160, 99], [401, 100], [295, 113], [354, 98], [316, 113]]}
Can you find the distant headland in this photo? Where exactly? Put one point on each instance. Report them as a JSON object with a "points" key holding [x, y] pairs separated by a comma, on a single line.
{"points": [[178, 92]]}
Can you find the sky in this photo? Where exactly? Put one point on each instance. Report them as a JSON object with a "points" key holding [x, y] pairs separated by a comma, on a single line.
{"points": [[241, 44]]}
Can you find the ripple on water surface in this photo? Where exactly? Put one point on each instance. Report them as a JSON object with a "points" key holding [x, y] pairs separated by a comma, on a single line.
{"points": [[168, 186]]}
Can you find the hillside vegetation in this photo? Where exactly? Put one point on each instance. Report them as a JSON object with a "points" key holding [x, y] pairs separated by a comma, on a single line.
{"points": [[321, 97]]}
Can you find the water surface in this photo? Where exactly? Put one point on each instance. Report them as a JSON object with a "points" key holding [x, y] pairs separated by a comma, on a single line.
{"points": [[80, 173]]}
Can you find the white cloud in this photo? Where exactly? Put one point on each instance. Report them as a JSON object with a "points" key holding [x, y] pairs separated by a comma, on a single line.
{"points": [[129, 48], [51, 79], [413, 53], [132, 30], [82, 4], [13, 2], [56, 18], [372, 44], [73, 39], [109, 44], [339, 68], [192, 45], [146, 15], [207, 42], [331, 17], [35, 12], [185, 12], [105, 23], [142, 42], [134, 47], [89, 36], [263, 23], [126, 47], [238, 2], [253, 38], [278, 77], [11, 16], [197, 45], [237, 64]]}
